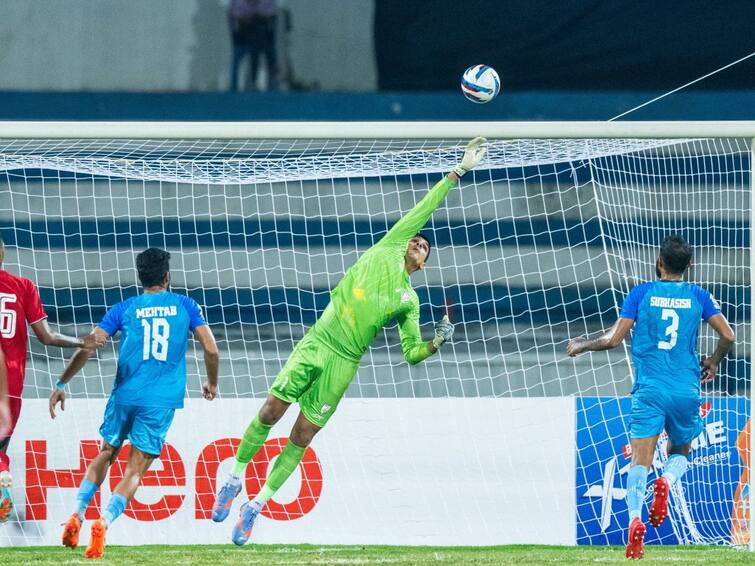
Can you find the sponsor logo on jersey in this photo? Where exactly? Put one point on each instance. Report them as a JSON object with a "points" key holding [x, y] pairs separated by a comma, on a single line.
{"points": [[406, 296]]}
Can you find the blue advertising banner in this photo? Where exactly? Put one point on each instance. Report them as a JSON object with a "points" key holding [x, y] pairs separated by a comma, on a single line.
{"points": [[706, 506]]}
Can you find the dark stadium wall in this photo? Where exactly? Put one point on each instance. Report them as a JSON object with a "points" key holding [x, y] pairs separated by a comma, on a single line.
{"points": [[568, 45], [517, 105]]}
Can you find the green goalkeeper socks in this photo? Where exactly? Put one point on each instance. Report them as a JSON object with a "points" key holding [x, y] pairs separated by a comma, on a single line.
{"points": [[254, 437], [284, 466]]}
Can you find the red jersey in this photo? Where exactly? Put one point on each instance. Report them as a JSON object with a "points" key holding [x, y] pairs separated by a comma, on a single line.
{"points": [[19, 304]]}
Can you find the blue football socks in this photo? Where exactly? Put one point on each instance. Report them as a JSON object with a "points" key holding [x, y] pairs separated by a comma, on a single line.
{"points": [[115, 507], [636, 484], [675, 468], [87, 489]]}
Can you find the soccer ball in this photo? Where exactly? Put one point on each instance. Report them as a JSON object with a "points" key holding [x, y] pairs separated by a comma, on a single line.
{"points": [[480, 83]]}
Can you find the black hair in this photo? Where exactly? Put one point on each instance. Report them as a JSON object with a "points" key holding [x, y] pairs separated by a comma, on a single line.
{"points": [[152, 265], [429, 243], [676, 254]]}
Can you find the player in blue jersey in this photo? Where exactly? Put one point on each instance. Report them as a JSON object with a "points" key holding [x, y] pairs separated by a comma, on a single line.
{"points": [[666, 316], [149, 386]]}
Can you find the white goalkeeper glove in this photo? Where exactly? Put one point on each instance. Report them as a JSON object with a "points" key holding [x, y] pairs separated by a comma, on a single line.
{"points": [[443, 332], [473, 154]]}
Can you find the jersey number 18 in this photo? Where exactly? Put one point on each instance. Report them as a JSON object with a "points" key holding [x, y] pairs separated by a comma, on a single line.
{"points": [[156, 337]]}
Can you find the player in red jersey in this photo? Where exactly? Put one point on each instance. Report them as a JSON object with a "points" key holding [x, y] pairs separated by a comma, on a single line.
{"points": [[4, 407], [5, 504], [20, 304]]}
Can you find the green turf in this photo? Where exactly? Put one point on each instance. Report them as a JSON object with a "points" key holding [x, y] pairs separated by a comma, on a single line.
{"points": [[308, 554]]}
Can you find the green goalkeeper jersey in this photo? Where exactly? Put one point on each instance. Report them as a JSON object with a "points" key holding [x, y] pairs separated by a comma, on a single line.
{"points": [[376, 289]]}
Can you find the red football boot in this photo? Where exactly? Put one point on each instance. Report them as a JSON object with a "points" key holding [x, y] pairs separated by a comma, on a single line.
{"points": [[635, 539], [659, 508]]}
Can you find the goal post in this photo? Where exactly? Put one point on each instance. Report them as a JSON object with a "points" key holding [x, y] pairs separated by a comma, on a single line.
{"points": [[375, 130], [752, 344], [540, 243]]}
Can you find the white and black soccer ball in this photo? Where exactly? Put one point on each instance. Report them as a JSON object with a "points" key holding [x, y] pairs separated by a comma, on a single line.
{"points": [[480, 83]]}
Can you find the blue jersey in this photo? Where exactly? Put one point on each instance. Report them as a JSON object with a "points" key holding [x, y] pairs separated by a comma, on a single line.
{"points": [[152, 359], [667, 318]]}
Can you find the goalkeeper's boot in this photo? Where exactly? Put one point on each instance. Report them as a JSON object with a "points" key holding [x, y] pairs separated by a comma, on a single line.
{"points": [[96, 546], [224, 500], [243, 529], [659, 508], [71, 529], [636, 539], [6, 503]]}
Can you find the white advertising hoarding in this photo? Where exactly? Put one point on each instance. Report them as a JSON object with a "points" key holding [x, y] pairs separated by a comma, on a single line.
{"points": [[446, 471]]}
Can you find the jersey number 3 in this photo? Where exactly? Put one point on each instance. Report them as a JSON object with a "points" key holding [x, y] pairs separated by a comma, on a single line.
{"points": [[156, 337], [671, 329]]}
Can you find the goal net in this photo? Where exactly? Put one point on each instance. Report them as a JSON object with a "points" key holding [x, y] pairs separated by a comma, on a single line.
{"points": [[489, 442]]}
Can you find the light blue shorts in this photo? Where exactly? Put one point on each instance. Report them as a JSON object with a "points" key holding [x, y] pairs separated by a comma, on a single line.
{"points": [[654, 410], [145, 427]]}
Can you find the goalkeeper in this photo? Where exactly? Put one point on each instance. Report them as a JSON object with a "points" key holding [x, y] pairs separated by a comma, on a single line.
{"points": [[375, 290]]}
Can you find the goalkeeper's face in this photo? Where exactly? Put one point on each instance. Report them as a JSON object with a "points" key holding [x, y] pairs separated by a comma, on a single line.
{"points": [[416, 253]]}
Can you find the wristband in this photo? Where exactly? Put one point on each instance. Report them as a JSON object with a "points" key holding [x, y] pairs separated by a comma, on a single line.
{"points": [[60, 385], [459, 170]]}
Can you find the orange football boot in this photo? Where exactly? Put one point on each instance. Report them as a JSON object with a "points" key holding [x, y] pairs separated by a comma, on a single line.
{"points": [[96, 546], [71, 529]]}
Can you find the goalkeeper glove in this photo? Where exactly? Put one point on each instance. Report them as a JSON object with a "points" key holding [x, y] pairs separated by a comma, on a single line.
{"points": [[473, 154], [443, 332]]}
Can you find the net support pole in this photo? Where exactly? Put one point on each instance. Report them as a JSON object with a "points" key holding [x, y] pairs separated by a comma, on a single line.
{"points": [[752, 344]]}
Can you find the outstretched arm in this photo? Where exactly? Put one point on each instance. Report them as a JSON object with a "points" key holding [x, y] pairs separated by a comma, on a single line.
{"points": [[49, 337], [77, 361], [606, 341], [211, 360], [725, 342], [415, 219]]}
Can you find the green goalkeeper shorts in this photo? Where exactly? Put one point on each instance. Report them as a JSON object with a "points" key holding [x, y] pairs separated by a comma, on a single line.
{"points": [[316, 377]]}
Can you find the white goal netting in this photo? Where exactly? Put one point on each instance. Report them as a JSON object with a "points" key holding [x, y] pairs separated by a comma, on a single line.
{"points": [[540, 244]]}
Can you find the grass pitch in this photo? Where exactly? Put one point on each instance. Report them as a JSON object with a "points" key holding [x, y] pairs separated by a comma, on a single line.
{"points": [[310, 554]]}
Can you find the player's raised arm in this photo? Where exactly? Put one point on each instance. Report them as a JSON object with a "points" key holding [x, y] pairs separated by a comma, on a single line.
{"points": [[415, 219], [211, 360], [77, 361], [725, 342]]}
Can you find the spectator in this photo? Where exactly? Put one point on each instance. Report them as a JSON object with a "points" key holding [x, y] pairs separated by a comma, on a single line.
{"points": [[253, 33]]}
